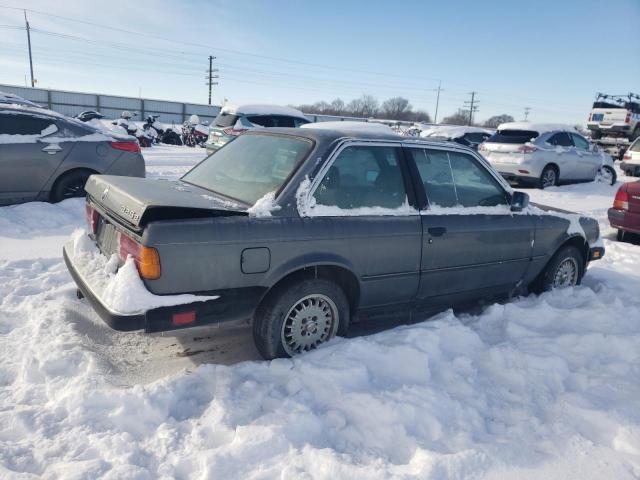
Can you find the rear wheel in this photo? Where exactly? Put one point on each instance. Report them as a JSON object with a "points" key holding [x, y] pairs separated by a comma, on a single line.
{"points": [[299, 316], [607, 175], [70, 185], [620, 235], [548, 177], [565, 269]]}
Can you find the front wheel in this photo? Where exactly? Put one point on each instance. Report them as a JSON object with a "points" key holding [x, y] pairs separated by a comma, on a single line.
{"points": [[298, 317], [548, 177], [70, 185], [565, 269], [607, 175]]}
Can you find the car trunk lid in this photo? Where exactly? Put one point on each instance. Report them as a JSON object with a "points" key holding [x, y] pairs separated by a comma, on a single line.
{"points": [[138, 201], [608, 116], [633, 190]]}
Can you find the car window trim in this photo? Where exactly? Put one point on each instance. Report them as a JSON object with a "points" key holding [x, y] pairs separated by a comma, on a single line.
{"points": [[475, 157], [402, 163]]}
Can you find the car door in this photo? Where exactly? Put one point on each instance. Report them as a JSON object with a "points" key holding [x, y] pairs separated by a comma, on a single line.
{"points": [[564, 155], [473, 244], [362, 203], [590, 161], [27, 160]]}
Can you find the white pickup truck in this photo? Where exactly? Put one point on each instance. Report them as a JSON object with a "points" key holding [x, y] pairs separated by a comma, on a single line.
{"points": [[615, 116]]}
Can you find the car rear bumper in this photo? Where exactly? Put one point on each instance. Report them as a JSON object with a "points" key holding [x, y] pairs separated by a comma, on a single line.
{"points": [[614, 127], [233, 305], [519, 178], [624, 220]]}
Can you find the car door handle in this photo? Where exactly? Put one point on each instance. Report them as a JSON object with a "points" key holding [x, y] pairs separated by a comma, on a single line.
{"points": [[437, 231], [52, 148]]}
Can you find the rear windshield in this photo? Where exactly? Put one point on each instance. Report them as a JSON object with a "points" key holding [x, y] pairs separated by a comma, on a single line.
{"points": [[226, 120], [250, 167], [635, 146], [512, 136]]}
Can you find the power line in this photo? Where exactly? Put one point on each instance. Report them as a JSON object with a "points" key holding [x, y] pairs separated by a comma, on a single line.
{"points": [[210, 81], [26, 22], [439, 89]]}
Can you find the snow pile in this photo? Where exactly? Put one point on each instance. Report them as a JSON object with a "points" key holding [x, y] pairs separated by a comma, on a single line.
{"points": [[264, 206], [452, 131], [120, 289]]}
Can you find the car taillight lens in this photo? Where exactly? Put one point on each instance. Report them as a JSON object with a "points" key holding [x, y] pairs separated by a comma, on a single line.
{"points": [[482, 147], [126, 146], [526, 149], [621, 202], [627, 119], [234, 131], [626, 156], [147, 258], [92, 218]]}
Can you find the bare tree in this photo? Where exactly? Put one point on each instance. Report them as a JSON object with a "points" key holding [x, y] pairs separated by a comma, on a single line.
{"points": [[337, 107], [396, 108], [461, 117], [496, 120]]}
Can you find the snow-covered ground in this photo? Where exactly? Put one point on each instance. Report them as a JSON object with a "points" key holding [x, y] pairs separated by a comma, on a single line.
{"points": [[541, 387]]}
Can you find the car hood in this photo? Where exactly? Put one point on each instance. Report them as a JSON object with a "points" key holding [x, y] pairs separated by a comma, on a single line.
{"points": [[138, 201]]}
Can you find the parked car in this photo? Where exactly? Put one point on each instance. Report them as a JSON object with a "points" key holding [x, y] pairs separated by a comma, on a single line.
{"points": [[373, 127], [630, 164], [12, 98], [467, 136], [235, 120], [615, 116], [545, 155], [307, 230], [48, 157], [625, 213]]}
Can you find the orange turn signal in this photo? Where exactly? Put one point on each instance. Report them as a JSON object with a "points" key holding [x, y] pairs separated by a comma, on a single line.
{"points": [[149, 263]]}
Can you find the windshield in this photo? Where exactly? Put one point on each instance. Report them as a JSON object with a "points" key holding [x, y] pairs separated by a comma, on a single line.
{"points": [[512, 136], [225, 120], [249, 167]]}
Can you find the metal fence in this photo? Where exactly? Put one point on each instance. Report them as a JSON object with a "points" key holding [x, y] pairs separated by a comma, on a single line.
{"points": [[111, 106]]}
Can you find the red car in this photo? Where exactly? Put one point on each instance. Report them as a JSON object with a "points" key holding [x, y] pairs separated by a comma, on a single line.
{"points": [[625, 214]]}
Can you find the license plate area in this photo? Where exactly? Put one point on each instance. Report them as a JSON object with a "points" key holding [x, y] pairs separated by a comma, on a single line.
{"points": [[107, 238]]}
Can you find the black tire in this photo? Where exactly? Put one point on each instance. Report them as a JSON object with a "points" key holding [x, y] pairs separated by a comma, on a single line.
{"points": [[620, 235], [70, 185], [612, 174], [547, 278], [545, 177], [269, 318]]}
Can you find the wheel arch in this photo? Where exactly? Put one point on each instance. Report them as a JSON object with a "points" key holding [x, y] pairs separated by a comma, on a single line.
{"points": [[70, 171]]}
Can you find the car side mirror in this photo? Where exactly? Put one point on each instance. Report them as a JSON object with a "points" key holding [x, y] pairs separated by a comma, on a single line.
{"points": [[519, 201]]}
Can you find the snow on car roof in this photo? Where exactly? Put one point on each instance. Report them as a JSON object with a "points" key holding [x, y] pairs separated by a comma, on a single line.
{"points": [[353, 126], [258, 109], [536, 127], [452, 131]]}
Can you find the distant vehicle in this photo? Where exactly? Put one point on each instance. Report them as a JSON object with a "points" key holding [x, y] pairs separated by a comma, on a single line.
{"points": [[625, 213], [615, 116], [89, 115], [468, 136], [160, 133], [545, 155], [303, 231], [194, 133], [10, 98], [352, 126], [48, 157], [235, 120], [631, 160], [126, 123]]}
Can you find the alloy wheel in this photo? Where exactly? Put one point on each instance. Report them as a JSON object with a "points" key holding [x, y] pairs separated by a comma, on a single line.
{"points": [[311, 321], [566, 274]]}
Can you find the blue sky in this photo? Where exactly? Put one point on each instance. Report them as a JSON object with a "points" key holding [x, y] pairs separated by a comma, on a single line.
{"points": [[551, 56]]}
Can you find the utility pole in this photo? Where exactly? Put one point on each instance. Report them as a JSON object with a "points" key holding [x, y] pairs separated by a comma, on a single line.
{"points": [[439, 89], [33, 83], [526, 113], [211, 76], [472, 106]]}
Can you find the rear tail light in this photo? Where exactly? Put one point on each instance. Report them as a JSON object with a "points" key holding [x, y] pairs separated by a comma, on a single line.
{"points": [[527, 148], [627, 119], [126, 146], [147, 259], [183, 318], [482, 147], [626, 156], [621, 202], [92, 218], [234, 131], [589, 117]]}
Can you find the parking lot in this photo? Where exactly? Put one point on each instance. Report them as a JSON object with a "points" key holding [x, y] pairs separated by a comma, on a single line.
{"points": [[543, 383]]}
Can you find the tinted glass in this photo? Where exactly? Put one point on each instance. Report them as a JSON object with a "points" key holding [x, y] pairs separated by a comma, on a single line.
{"points": [[23, 125], [476, 137], [299, 121], [282, 121], [225, 120], [454, 179], [262, 120], [437, 178], [475, 187], [580, 142], [512, 136], [635, 146], [363, 177], [250, 167], [561, 139]]}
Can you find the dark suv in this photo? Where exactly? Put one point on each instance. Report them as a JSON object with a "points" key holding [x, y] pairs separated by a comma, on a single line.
{"points": [[303, 231]]}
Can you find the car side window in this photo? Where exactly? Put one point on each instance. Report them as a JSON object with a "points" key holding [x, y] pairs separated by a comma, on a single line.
{"points": [[363, 176], [262, 120], [299, 122], [580, 142], [455, 179], [23, 125], [283, 121], [560, 139]]}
